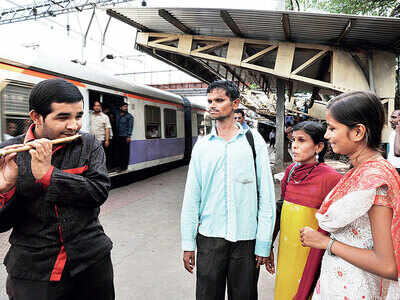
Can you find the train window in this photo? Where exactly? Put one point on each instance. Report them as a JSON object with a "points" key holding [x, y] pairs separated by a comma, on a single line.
{"points": [[15, 110], [152, 122], [170, 123]]}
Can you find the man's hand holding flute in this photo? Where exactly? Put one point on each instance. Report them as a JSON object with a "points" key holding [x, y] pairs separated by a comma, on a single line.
{"points": [[41, 152], [8, 170]]}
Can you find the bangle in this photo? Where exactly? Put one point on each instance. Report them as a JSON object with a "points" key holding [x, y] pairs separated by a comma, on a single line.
{"points": [[330, 247]]}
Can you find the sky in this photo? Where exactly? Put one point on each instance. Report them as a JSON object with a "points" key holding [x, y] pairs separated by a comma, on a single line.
{"points": [[50, 37]]}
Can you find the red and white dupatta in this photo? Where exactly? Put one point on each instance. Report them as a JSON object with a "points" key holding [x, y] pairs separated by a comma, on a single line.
{"points": [[363, 183]]}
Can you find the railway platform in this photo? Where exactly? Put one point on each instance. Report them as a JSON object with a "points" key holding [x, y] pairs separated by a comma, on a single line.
{"points": [[143, 220]]}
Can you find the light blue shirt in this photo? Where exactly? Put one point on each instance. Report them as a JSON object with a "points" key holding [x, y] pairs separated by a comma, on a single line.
{"points": [[221, 195]]}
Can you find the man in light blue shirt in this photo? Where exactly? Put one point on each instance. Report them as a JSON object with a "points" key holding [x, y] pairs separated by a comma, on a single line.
{"points": [[221, 213], [240, 117]]}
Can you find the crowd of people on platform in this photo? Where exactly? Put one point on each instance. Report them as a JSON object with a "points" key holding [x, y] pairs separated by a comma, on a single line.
{"points": [[339, 235]]}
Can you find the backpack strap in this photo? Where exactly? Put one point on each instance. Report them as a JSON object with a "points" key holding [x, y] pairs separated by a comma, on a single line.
{"points": [[250, 139]]}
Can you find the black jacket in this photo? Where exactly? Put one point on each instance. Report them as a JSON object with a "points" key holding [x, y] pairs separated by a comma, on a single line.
{"points": [[57, 230]]}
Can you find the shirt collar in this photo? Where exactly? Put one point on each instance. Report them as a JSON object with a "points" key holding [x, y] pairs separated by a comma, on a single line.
{"points": [[30, 136], [213, 133]]}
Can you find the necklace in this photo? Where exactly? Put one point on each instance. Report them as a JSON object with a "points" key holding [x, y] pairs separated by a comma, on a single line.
{"points": [[301, 180]]}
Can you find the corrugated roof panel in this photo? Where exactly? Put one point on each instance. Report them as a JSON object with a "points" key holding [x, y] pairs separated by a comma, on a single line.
{"points": [[305, 27]]}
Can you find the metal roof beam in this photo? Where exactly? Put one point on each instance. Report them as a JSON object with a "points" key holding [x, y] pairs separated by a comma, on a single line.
{"points": [[128, 21], [174, 21], [185, 64], [226, 17], [345, 31], [285, 66], [286, 26]]}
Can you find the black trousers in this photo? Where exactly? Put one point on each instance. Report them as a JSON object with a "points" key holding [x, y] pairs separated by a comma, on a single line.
{"points": [[108, 152], [122, 147], [221, 263], [94, 283]]}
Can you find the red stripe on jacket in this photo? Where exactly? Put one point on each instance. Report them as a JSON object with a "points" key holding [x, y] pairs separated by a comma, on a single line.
{"points": [[61, 257], [59, 265], [76, 170]]}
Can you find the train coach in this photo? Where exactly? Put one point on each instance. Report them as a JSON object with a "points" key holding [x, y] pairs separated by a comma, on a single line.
{"points": [[166, 125]]}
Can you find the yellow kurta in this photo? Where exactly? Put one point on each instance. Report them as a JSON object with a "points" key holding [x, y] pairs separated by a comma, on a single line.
{"points": [[292, 256]]}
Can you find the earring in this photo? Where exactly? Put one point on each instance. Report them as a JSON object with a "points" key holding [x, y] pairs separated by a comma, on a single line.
{"points": [[316, 157]]}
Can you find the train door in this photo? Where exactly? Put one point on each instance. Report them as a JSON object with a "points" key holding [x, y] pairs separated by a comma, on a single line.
{"points": [[110, 105], [14, 109]]}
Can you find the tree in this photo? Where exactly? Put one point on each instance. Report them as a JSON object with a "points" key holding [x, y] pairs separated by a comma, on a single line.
{"points": [[388, 8]]}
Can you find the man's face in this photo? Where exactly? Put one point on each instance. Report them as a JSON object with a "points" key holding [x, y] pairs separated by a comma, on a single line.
{"points": [[12, 128], [97, 107], [64, 120], [239, 118], [124, 107], [220, 106], [395, 118]]}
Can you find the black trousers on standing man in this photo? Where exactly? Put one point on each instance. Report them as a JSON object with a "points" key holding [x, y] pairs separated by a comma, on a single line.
{"points": [[221, 263], [122, 147]]}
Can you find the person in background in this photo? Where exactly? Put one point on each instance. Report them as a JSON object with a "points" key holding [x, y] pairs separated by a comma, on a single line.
{"points": [[240, 117], [100, 125], [272, 137], [201, 134], [123, 140], [304, 186], [362, 212], [222, 213], [12, 130], [394, 140]]}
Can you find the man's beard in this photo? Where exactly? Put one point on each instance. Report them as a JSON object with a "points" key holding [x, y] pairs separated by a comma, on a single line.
{"points": [[220, 118]]}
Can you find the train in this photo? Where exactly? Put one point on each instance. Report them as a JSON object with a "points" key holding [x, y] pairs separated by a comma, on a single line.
{"points": [[177, 121]]}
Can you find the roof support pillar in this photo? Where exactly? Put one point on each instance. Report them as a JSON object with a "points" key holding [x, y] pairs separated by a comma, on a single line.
{"points": [[280, 126], [371, 74]]}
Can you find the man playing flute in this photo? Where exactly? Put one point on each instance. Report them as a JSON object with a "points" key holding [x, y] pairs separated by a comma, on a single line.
{"points": [[51, 196]]}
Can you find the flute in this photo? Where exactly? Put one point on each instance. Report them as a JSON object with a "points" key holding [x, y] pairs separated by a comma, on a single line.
{"points": [[29, 147]]}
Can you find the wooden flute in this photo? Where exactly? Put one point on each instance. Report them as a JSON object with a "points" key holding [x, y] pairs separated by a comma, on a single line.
{"points": [[24, 147]]}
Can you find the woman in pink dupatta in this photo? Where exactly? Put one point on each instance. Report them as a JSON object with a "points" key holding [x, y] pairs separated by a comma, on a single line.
{"points": [[362, 212]]}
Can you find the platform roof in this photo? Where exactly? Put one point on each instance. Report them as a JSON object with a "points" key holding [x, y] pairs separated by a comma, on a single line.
{"points": [[317, 28], [349, 32]]}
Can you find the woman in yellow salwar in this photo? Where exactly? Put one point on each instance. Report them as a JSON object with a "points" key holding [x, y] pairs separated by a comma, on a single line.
{"points": [[304, 187]]}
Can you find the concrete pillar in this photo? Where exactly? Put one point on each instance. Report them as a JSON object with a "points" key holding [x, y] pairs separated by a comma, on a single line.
{"points": [[280, 125]]}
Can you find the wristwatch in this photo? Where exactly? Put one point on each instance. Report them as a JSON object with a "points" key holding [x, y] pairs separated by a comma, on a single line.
{"points": [[330, 246]]}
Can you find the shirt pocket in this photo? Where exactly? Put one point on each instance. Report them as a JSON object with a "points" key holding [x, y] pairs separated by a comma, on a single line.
{"points": [[244, 178]]}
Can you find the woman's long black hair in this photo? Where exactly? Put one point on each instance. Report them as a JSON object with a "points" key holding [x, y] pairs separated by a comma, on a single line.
{"points": [[364, 108]]}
